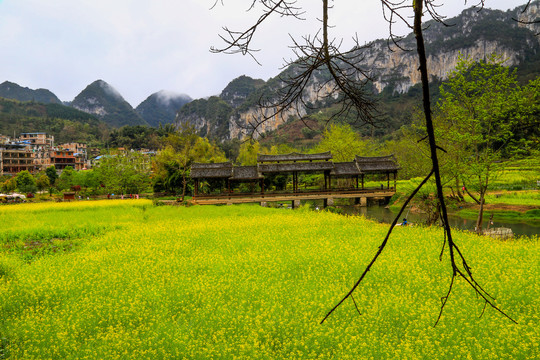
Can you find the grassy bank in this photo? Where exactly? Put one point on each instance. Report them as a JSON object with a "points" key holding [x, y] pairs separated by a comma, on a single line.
{"points": [[144, 282]]}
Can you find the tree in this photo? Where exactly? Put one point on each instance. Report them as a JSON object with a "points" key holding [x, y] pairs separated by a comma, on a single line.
{"points": [[172, 165], [349, 80], [248, 153], [51, 174], [124, 173], [343, 142], [481, 107], [66, 179], [43, 182], [26, 182], [9, 185]]}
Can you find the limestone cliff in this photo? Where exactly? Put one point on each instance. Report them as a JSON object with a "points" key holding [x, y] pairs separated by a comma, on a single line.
{"points": [[474, 34]]}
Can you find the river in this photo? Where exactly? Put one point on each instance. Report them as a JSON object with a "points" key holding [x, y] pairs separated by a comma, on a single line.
{"points": [[383, 214]]}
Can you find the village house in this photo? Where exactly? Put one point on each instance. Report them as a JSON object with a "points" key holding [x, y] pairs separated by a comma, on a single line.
{"points": [[15, 158]]}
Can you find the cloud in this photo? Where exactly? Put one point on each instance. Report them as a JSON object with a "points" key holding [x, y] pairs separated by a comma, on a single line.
{"points": [[141, 45]]}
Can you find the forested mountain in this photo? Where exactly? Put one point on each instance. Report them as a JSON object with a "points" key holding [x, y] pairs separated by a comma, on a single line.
{"points": [[65, 123], [474, 34], [9, 90], [161, 107], [103, 101]]}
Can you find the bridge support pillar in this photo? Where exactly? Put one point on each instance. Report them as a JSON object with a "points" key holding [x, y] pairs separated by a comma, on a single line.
{"points": [[295, 204], [363, 201], [328, 202], [264, 204]]}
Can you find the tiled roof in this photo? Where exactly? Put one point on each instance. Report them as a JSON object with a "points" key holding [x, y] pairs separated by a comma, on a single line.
{"points": [[294, 156], [246, 173], [299, 167], [216, 170], [375, 164], [345, 169]]}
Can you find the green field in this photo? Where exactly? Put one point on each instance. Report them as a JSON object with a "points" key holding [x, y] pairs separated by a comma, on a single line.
{"points": [[129, 280]]}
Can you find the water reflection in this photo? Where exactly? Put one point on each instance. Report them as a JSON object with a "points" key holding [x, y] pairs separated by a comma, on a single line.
{"points": [[385, 215]]}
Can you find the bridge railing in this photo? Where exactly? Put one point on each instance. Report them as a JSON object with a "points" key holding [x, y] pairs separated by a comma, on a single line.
{"points": [[270, 194]]}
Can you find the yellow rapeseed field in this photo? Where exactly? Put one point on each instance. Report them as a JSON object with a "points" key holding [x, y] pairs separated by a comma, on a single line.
{"points": [[129, 280]]}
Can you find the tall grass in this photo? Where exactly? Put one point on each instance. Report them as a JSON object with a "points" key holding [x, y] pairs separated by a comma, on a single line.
{"points": [[247, 282]]}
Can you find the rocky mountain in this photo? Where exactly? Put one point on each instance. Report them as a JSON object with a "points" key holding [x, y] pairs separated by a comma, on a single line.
{"points": [[161, 107], [103, 101], [9, 90], [394, 71]]}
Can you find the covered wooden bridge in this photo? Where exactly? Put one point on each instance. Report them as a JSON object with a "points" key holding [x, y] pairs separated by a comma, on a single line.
{"points": [[260, 183]]}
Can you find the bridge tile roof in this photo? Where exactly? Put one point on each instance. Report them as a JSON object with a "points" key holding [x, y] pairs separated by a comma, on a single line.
{"points": [[298, 167], [345, 169], [374, 164], [215, 170], [246, 173], [294, 156]]}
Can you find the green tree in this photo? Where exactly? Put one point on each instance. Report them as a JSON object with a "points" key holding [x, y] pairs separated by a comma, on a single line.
{"points": [[51, 174], [343, 142], [481, 107], [248, 153], [10, 185], [26, 183], [127, 173], [172, 165], [42, 182], [66, 179]]}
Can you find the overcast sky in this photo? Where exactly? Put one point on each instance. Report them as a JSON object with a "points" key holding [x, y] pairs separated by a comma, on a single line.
{"points": [[142, 46]]}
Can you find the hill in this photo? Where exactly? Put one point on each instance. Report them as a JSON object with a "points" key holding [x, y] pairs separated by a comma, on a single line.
{"points": [[65, 123], [161, 107], [9, 90], [104, 102]]}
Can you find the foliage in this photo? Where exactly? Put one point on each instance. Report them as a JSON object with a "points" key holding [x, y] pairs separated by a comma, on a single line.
{"points": [[42, 182], [138, 137], [26, 182], [344, 143], [172, 165], [236, 92], [123, 173], [248, 153], [248, 282], [66, 179], [51, 174], [64, 123], [481, 108], [14, 91], [9, 185]]}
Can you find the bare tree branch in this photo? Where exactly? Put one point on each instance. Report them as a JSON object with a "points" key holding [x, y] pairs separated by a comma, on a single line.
{"points": [[381, 247]]}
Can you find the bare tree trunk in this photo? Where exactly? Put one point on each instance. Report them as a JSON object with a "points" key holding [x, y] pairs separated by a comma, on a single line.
{"points": [[459, 194], [418, 10], [480, 218], [184, 186]]}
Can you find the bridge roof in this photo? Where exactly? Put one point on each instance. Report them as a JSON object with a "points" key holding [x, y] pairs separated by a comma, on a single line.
{"points": [[246, 173], [293, 157], [215, 170], [377, 164], [296, 167], [345, 169]]}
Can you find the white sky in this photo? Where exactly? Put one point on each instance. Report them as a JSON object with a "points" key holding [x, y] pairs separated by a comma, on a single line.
{"points": [[142, 46]]}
